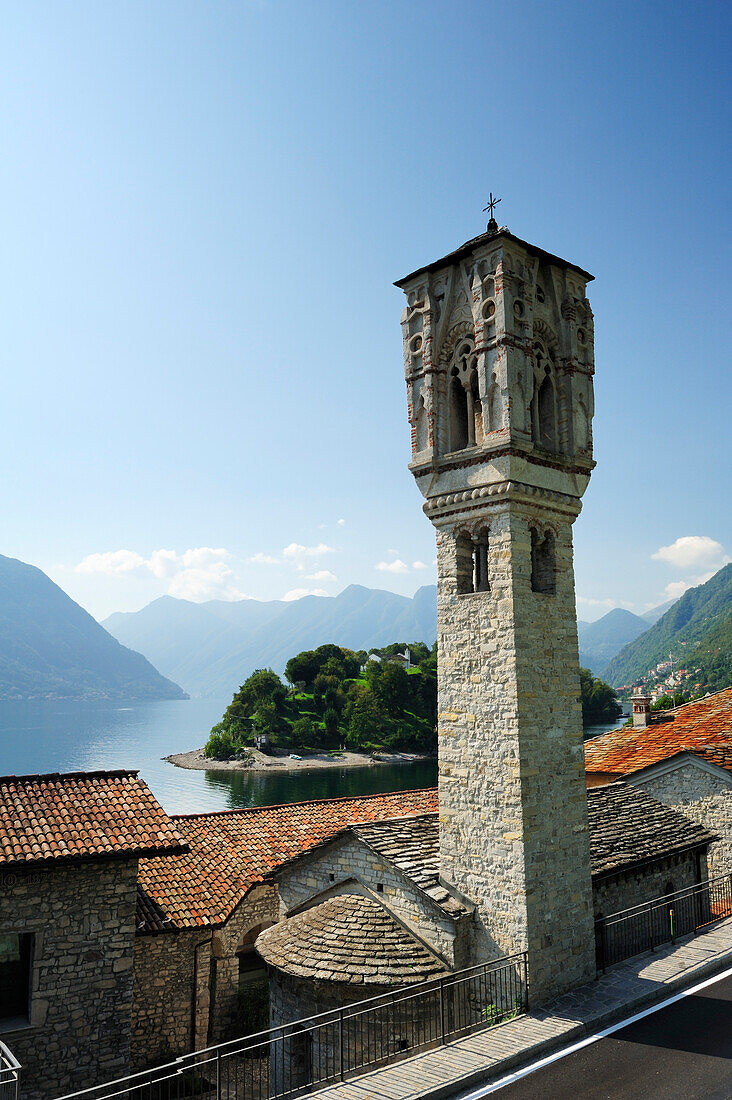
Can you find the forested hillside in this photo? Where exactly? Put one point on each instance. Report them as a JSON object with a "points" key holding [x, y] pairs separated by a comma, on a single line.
{"points": [[50, 648], [695, 634]]}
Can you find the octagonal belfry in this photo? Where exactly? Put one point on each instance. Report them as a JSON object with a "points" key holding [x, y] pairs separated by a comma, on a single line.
{"points": [[499, 363]]}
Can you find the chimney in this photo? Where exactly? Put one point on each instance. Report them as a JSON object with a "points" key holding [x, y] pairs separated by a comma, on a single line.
{"points": [[641, 709]]}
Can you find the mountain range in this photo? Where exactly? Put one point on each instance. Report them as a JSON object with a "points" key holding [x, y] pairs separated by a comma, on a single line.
{"points": [[212, 647], [51, 648], [695, 633]]}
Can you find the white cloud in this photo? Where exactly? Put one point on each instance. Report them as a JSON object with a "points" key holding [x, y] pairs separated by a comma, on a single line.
{"points": [[263, 559], [341, 523], [298, 593], [112, 563], [302, 556], [693, 551], [419, 565], [198, 574], [675, 589], [396, 566], [323, 575]]}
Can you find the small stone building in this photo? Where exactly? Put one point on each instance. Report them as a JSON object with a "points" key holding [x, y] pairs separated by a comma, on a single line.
{"points": [[69, 851], [639, 849], [682, 758], [199, 914]]}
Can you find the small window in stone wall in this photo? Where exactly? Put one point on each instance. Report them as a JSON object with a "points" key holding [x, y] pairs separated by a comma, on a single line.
{"points": [[16, 950], [543, 562], [472, 563]]}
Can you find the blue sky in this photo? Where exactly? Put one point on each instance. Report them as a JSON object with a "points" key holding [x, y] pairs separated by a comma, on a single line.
{"points": [[205, 207]]}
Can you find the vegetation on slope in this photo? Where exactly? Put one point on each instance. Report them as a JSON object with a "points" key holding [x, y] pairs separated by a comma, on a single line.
{"points": [[336, 698], [696, 634]]}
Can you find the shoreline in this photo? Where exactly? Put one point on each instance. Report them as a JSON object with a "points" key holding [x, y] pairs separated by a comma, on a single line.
{"points": [[196, 761]]}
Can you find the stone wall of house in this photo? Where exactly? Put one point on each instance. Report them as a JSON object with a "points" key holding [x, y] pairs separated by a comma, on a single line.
{"points": [[259, 907], [623, 891], [513, 805], [82, 917], [348, 859], [187, 983], [170, 996], [703, 797]]}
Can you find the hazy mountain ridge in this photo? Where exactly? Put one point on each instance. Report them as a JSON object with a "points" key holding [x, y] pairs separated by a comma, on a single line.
{"points": [[212, 647], [600, 641], [696, 632], [51, 648]]}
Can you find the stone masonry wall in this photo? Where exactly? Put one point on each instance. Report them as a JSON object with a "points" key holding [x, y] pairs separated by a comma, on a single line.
{"points": [[350, 858], [612, 895], [166, 968], [703, 797], [513, 810], [82, 918]]}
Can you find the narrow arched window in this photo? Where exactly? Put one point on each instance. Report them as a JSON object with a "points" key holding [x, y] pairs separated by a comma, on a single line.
{"points": [[458, 414], [546, 413], [481, 580], [543, 562], [464, 568]]}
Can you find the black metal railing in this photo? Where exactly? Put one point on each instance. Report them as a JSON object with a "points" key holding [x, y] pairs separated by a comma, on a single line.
{"points": [[662, 920], [9, 1074], [288, 1061]]}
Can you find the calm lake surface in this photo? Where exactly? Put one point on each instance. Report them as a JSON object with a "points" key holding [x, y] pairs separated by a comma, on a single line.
{"points": [[71, 736]]}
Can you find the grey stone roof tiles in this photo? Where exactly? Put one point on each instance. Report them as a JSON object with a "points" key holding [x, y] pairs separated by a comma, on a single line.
{"points": [[628, 827], [412, 845], [348, 938]]}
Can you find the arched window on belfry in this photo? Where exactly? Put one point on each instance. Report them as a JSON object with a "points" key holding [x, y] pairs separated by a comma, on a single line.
{"points": [[544, 402], [466, 413], [472, 562], [543, 562]]}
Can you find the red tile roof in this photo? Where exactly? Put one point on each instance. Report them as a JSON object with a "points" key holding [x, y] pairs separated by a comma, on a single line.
{"points": [[232, 850], [703, 728], [81, 815]]}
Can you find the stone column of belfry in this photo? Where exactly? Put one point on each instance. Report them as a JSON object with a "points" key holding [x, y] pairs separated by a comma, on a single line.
{"points": [[509, 324]]}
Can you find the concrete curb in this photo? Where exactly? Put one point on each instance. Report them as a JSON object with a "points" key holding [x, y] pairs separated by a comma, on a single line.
{"points": [[574, 1034]]}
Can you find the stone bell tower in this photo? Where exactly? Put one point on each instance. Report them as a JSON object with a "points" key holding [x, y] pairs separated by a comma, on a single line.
{"points": [[498, 348]]}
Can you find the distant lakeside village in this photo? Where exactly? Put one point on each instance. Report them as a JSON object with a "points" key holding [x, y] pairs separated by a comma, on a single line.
{"points": [[232, 954]]}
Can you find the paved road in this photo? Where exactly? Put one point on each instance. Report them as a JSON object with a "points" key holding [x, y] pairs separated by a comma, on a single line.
{"points": [[683, 1052]]}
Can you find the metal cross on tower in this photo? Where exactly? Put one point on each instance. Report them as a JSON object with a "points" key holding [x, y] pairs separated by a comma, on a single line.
{"points": [[491, 204]]}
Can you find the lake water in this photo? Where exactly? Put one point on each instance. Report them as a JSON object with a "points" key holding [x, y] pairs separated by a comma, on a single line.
{"points": [[76, 736]]}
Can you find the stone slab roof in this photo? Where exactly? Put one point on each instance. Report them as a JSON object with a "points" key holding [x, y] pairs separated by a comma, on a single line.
{"points": [[703, 728], [231, 851], [50, 819], [412, 845], [629, 828], [348, 938], [484, 238]]}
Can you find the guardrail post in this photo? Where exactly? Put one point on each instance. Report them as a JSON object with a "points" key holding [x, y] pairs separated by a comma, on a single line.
{"points": [[442, 1011], [218, 1075], [603, 944], [650, 927], [340, 1043]]}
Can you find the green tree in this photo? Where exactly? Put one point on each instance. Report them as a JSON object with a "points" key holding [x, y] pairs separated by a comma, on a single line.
{"points": [[599, 700], [366, 720], [263, 685]]}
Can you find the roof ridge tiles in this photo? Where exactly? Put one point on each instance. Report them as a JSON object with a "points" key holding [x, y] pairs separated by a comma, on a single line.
{"points": [[303, 802], [100, 773]]}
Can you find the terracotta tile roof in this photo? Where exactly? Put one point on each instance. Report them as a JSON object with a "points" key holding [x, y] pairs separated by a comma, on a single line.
{"points": [[628, 828], [81, 815], [232, 850], [704, 728], [348, 938], [149, 917]]}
